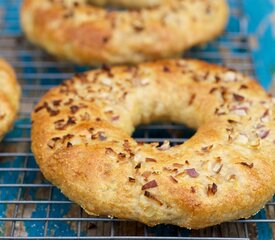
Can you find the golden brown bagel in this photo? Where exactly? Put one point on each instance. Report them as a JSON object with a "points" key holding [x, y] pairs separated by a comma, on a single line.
{"points": [[81, 140], [9, 97], [86, 34]]}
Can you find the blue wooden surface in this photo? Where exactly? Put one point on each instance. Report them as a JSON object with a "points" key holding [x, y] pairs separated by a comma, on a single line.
{"points": [[262, 40], [261, 25]]}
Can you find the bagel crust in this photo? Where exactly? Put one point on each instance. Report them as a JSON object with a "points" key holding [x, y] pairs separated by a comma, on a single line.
{"points": [[9, 97], [81, 140], [85, 34]]}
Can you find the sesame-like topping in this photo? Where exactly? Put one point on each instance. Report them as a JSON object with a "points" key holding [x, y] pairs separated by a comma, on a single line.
{"points": [[132, 180], [192, 172], [212, 90], [192, 189], [151, 184], [56, 103], [212, 189], [232, 177], [240, 110], [173, 179], [178, 165], [138, 166], [153, 197], [230, 76], [85, 117], [51, 144], [115, 117], [243, 86], [192, 99], [99, 135], [232, 121], [238, 97], [109, 151], [263, 133], [39, 108], [62, 124], [166, 69], [52, 112], [249, 165], [242, 138], [217, 168], [121, 156], [146, 174], [126, 146], [265, 117], [165, 146], [207, 149], [74, 109], [67, 137], [69, 102], [150, 160], [255, 142], [169, 169]]}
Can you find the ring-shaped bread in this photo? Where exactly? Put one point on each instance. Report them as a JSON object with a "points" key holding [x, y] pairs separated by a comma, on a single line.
{"points": [[81, 140], [85, 34], [9, 97]]}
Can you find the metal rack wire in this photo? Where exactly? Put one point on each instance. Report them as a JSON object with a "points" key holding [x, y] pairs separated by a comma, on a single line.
{"points": [[31, 208]]}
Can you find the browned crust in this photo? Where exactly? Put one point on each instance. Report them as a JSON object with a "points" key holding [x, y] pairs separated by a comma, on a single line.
{"points": [[88, 35], [9, 97], [81, 141]]}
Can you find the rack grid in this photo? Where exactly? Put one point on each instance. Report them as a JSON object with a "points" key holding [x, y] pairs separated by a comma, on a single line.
{"points": [[31, 208]]}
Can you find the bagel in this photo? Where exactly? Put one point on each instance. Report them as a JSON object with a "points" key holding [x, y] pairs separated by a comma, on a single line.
{"points": [[81, 140], [9, 97], [85, 34]]}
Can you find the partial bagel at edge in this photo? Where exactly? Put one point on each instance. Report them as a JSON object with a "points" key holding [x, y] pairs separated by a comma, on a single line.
{"points": [[9, 97]]}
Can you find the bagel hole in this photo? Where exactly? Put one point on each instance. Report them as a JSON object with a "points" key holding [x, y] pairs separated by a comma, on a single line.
{"points": [[159, 132]]}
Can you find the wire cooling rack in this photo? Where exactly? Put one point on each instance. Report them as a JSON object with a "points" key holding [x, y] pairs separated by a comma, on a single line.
{"points": [[31, 208]]}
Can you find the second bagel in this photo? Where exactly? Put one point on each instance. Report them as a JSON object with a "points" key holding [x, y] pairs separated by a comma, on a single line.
{"points": [[85, 34]]}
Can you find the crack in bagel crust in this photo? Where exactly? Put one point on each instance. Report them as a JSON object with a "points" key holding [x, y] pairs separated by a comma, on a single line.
{"points": [[81, 140], [9, 97], [85, 34]]}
